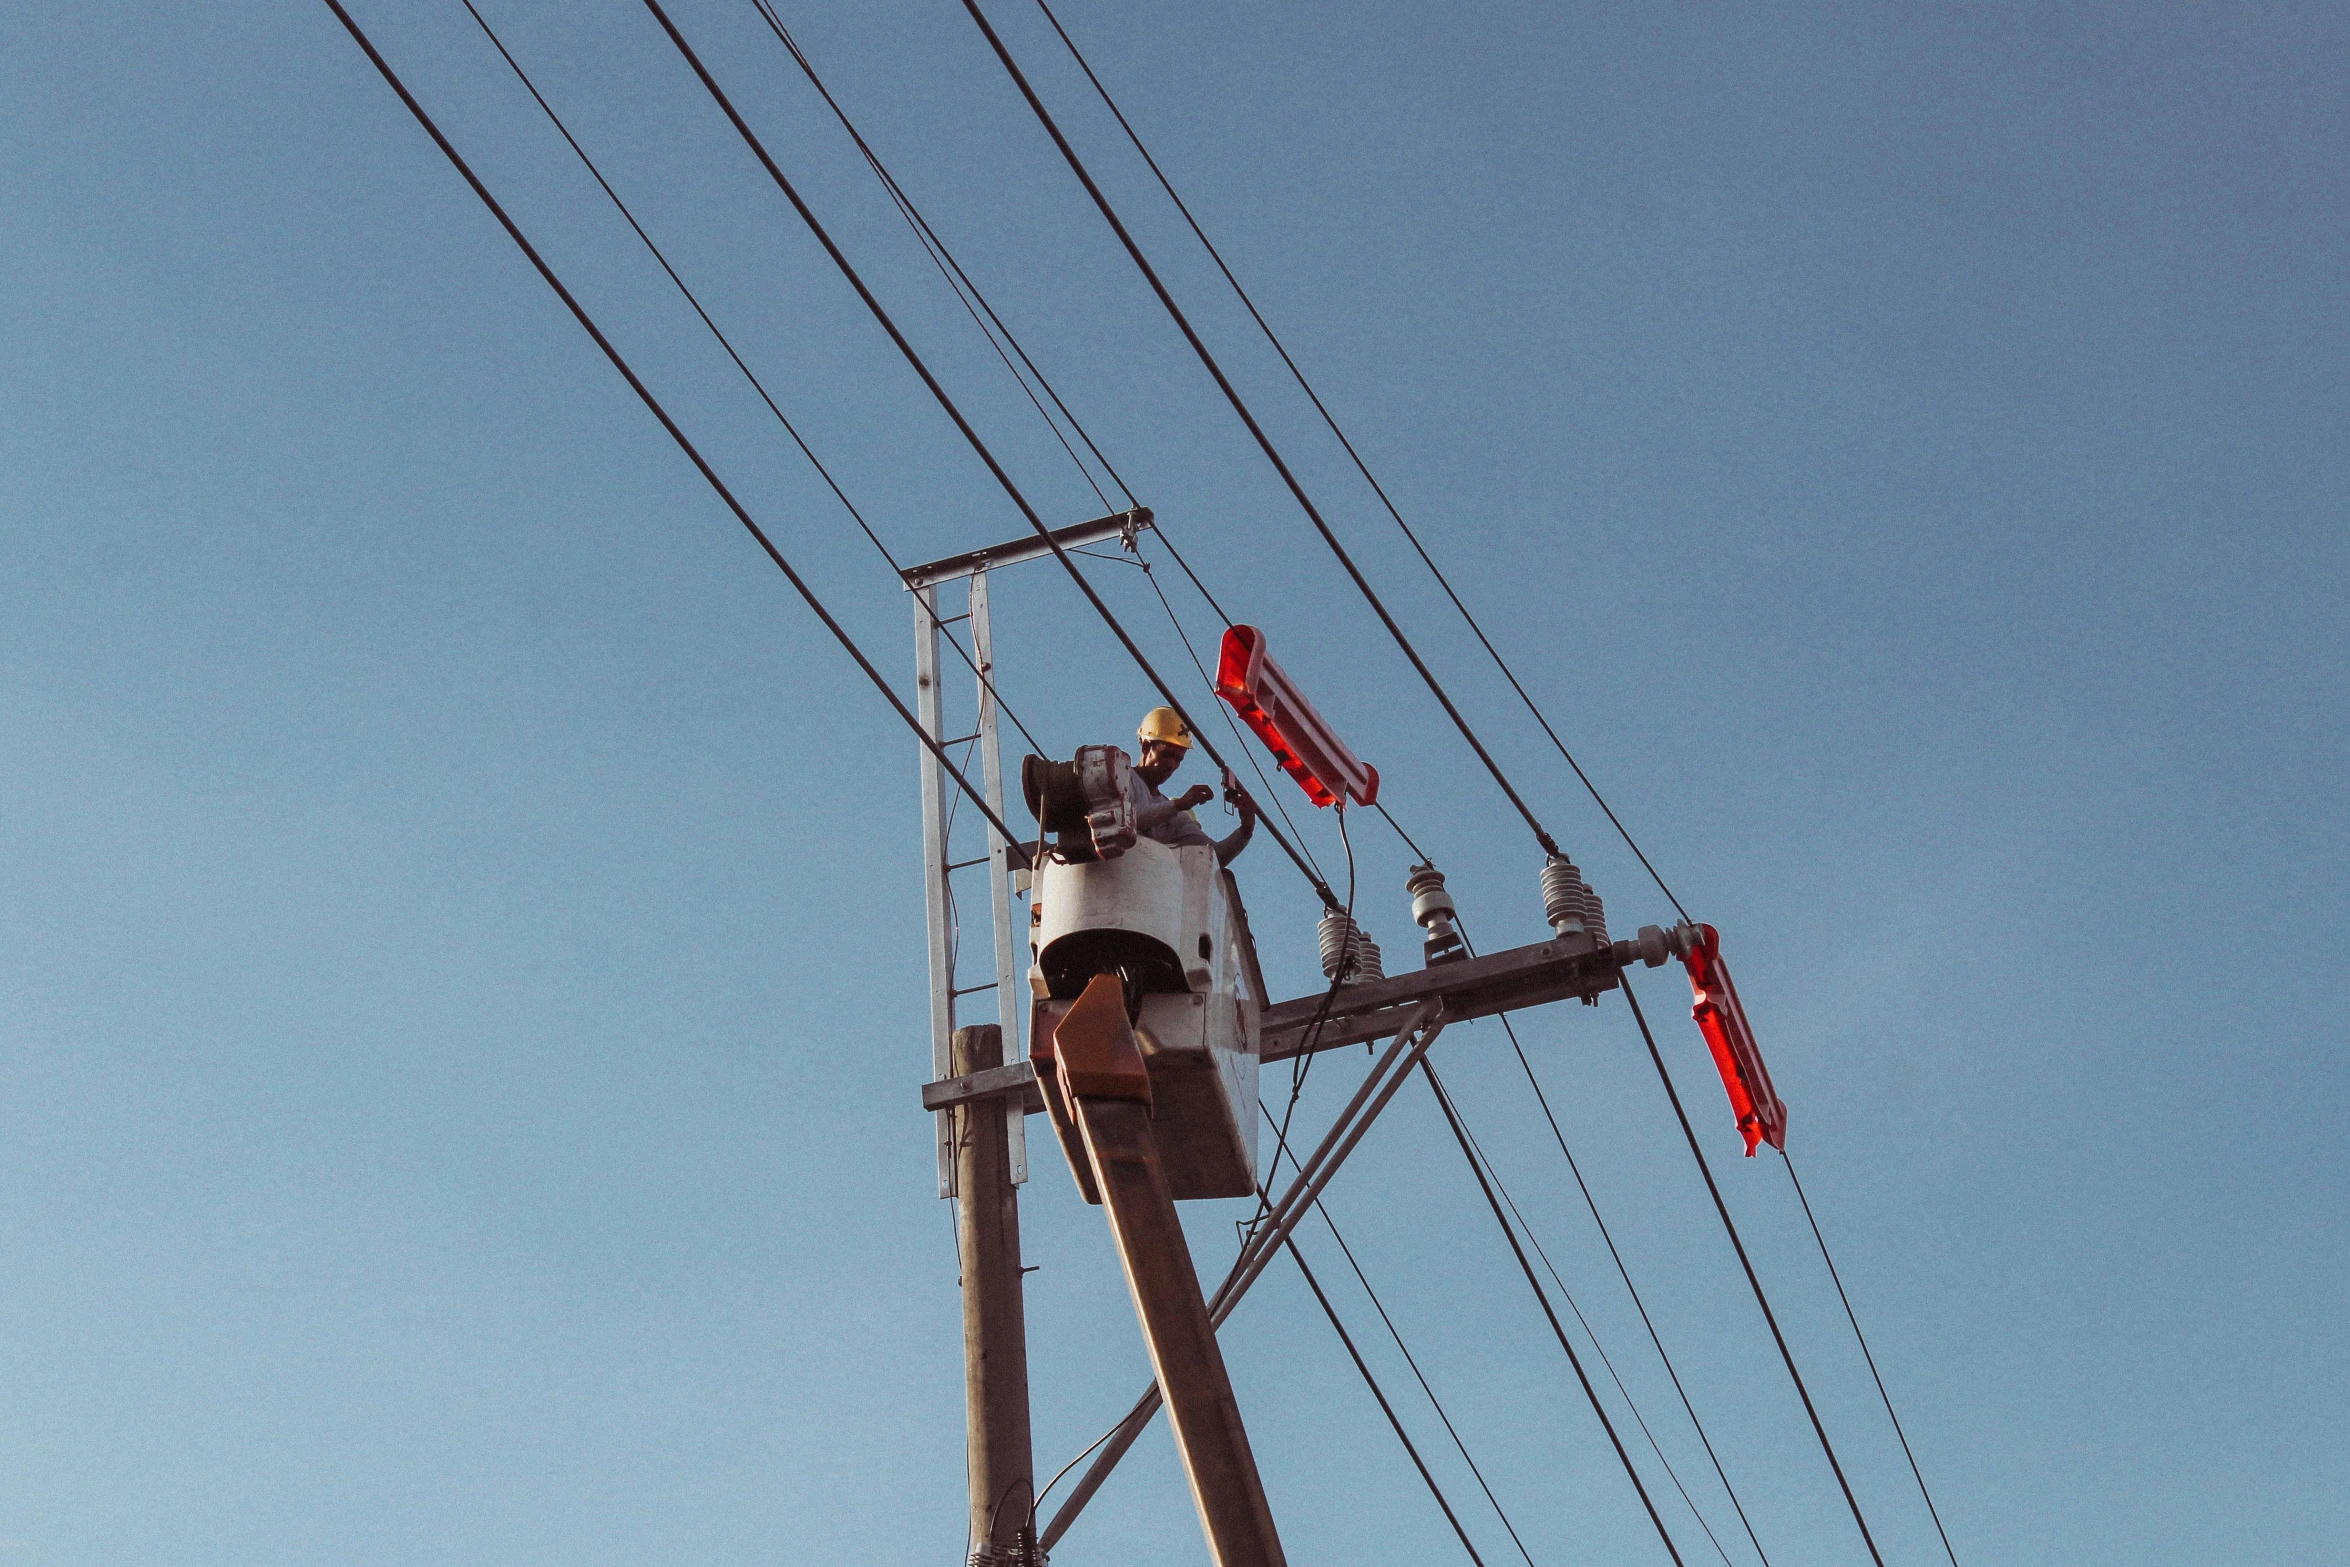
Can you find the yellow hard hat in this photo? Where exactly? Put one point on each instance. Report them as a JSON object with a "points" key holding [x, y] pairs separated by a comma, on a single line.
{"points": [[1164, 723]]}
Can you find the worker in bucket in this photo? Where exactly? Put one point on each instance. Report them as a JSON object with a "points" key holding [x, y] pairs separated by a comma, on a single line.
{"points": [[1166, 740]]}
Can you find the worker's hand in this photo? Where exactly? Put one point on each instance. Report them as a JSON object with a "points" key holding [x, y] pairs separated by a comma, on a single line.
{"points": [[1248, 806], [1195, 796]]}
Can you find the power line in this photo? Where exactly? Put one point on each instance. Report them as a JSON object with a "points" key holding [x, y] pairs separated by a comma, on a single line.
{"points": [[1871, 1359], [1385, 1407], [1558, 1329], [1589, 1202], [1578, 1175], [952, 270], [1592, 1334], [974, 302], [1360, 466], [1282, 1147], [653, 404], [1622, 1272], [757, 385], [816, 605], [947, 405], [1194, 576], [1642, 1306], [1762, 1300], [1264, 442]]}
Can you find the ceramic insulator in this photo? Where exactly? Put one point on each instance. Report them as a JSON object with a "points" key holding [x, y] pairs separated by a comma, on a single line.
{"points": [[1563, 895], [1348, 944]]}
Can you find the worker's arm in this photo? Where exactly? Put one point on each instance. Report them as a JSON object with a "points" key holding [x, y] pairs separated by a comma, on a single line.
{"points": [[1150, 817], [1229, 849]]}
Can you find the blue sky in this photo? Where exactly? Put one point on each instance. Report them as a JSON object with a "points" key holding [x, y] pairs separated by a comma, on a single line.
{"points": [[461, 917]]}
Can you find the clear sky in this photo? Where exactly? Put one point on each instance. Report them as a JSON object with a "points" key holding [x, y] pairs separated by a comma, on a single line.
{"points": [[461, 968]]}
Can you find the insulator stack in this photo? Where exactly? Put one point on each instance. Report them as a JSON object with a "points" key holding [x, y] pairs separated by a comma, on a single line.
{"points": [[1563, 895], [1348, 949], [1433, 910], [1594, 914]]}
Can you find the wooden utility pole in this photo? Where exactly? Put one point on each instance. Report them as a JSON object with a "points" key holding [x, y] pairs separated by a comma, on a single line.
{"points": [[995, 1332]]}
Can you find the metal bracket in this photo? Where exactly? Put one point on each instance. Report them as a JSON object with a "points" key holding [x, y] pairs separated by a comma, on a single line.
{"points": [[1118, 525], [1014, 1077]]}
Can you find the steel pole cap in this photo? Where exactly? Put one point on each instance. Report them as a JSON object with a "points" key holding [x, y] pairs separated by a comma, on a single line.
{"points": [[1095, 1047]]}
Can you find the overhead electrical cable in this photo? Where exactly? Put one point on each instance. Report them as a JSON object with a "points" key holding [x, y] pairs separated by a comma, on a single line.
{"points": [[1195, 581], [1281, 1149], [1385, 1408], [726, 343], [960, 280], [957, 279], [1542, 1296], [1592, 1334], [653, 405], [1633, 1290], [848, 644], [1753, 1281], [1280, 1138], [1264, 442], [1871, 1359], [1622, 1272], [1360, 466], [947, 405]]}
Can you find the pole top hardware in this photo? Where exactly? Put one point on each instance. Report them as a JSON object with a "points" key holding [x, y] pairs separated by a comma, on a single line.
{"points": [[1124, 526]]}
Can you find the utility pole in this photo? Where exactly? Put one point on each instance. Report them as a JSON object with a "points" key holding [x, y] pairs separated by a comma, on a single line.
{"points": [[995, 1333], [978, 1100]]}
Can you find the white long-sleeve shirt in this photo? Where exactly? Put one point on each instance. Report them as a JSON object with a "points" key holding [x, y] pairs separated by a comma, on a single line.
{"points": [[1156, 816]]}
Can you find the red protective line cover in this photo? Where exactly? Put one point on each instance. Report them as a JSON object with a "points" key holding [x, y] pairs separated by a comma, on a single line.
{"points": [[1762, 1117], [1301, 740]]}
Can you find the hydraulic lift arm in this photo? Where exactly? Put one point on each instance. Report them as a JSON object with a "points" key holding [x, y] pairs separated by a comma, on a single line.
{"points": [[1108, 1091]]}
